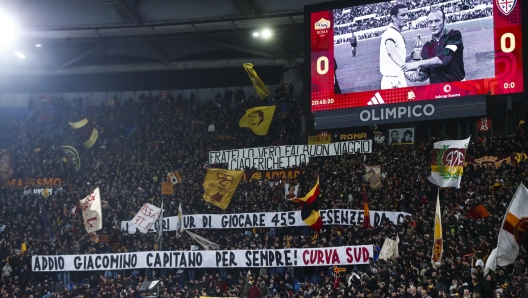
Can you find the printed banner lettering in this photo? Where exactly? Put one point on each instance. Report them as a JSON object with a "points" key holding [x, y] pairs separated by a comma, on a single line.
{"points": [[317, 140], [281, 157], [297, 257], [344, 217], [279, 174], [145, 218], [37, 191], [24, 182]]}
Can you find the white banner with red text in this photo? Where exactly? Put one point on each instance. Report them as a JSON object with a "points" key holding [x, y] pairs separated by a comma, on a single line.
{"points": [[345, 217], [296, 257]]}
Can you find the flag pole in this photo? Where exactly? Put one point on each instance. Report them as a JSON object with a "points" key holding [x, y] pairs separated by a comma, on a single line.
{"points": [[160, 226]]}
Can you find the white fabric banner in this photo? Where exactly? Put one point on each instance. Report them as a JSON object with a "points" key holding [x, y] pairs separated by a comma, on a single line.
{"points": [[91, 211], [344, 217], [447, 165], [389, 250], [282, 157], [146, 217], [511, 232], [296, 257]]}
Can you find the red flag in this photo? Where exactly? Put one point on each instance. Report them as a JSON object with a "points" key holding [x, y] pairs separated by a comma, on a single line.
{"points": [[366, 212]]}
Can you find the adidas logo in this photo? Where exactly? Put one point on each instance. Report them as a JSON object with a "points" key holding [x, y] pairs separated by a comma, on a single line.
{"points": [[376, 100]]}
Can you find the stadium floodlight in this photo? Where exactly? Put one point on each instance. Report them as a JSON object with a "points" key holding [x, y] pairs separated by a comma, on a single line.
{"points": [[8, 30], [20, 55], [266, 33], [38, 45]]}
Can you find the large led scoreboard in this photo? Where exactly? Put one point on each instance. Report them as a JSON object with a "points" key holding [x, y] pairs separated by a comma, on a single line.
{"points": [[352, 82]]}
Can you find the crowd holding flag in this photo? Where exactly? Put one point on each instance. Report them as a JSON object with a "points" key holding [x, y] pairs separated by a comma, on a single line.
{"points": [[511, 232], [291, 191], [174, 177], [258, 119], [71, 156], [338, 270], [167, 188], [91, 211], [220, 186], [389, 250], [447, 165], [86, 132], [310, 208], [438, 244], [146, 217], [366, 211], [259, 85]]}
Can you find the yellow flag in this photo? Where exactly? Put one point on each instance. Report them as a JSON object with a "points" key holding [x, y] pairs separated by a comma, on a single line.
{"points": [[258, 119], [45, 193], [220, 185], [23, 247], [261, 88]]}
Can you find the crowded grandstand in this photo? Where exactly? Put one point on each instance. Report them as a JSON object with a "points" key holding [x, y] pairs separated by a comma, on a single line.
{"points": [[141, 139]]}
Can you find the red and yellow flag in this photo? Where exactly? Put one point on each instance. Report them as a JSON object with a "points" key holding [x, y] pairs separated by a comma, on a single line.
{"points": [[86, 132], [366, 211], [310, 208]]}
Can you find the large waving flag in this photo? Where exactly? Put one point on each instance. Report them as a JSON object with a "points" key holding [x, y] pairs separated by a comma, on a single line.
{"points": [[6, 165], [310, 208], [91, 211], [511, 233], [259, 85], [86, 132], [220, 186], [438, 244], [366, 211], [258, 119], [447, 165], [71, 156]]}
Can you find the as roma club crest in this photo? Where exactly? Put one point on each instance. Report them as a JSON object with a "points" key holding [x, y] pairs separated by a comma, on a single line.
{"points": [[321, 27], [506, 6]]}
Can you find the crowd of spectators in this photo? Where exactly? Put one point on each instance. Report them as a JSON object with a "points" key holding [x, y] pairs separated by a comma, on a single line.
{"points": [[141, 140]]}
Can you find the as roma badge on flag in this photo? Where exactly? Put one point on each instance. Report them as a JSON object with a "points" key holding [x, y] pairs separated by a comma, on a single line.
{"points": [[506, 6]]}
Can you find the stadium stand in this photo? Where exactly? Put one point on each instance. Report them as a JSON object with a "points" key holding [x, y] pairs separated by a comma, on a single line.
{"points": [[142, 139]]}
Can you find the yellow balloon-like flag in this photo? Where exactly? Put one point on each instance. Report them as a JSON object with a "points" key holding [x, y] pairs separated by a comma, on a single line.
{"points": [[220, 186], [259, 85], [258, 119]]}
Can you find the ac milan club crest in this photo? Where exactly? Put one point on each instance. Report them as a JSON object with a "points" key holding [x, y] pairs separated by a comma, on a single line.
{"points": [[506, 6]]}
